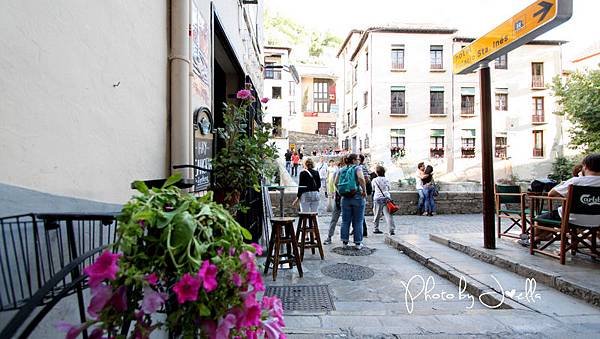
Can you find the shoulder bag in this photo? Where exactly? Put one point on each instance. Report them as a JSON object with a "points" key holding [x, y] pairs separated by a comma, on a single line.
{"points": [[391, 206]]}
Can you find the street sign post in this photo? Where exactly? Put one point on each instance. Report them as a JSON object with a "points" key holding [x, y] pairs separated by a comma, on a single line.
{"points": [[536, 19]]}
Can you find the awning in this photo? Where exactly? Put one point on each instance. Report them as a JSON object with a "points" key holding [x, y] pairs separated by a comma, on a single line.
{"points": [[502, 90], [468, 133], [397, 88], [437, 132], [437, 88], [467, 90], [397, 132]]}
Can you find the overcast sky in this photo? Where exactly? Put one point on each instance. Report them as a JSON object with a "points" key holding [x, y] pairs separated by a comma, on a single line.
{"points": [[472, 18]]}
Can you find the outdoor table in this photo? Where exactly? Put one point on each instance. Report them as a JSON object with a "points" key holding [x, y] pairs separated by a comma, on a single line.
{"points": [[281, 190]]}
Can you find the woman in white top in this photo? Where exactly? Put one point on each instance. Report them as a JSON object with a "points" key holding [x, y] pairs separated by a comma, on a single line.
{"points": [[381, 194]]}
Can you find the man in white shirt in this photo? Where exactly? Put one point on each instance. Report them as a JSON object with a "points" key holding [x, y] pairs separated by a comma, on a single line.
{"points": [[419, 186], [589, 176]]}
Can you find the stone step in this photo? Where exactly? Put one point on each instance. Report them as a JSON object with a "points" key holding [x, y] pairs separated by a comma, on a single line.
{"points": [[495, 287], [578, 278]]}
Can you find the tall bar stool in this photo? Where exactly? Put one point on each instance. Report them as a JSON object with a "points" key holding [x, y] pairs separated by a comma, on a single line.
{"points": [[282, 233], [308, 226]]}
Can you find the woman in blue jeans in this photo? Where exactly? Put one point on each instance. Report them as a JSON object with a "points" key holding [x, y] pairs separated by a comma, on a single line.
{"points": [[428, 191], [353, 208]]}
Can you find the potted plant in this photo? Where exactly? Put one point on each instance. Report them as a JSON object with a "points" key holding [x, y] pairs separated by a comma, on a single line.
{"points": [[243, 160], [183, 256]]}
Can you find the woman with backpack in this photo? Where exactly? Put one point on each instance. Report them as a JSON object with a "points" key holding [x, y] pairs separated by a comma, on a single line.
{"points": [[381, 195], [351, 186], [428, 191], [308, 188]]}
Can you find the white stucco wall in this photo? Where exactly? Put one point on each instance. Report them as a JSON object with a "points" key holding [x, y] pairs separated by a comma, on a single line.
{"points": [[83, 96]]}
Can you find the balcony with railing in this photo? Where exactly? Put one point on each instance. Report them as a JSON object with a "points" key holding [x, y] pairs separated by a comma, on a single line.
{"points": [[467, 109], [538, 152], [538, 118], [436, 152], [396, 66], [537, 81]]}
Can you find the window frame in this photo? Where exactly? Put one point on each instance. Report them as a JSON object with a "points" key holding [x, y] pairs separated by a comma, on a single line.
{"points": [[273, 96], [501, 62], [536, 117], [500, 148], [402, 107], [537, 80], [397, 55], [433, 108], [436, 54], [467, 109], [499, 106], [538, 148], [321, 103]]}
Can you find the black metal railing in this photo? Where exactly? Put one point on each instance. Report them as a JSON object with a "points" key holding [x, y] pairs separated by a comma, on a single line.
{"points": [[34, 247]]}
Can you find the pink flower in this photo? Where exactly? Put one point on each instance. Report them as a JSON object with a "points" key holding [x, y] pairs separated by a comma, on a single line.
{"points": [[72, 330], [258, 248], [225, 326], [119, 299], [153, 300], [187, 288], [251, 316], [105, 267], [244, 94], [236, 279], [96, 333], [264, 100], [255, 279], [232, 251], [208, 274], [151, 278], [101, 294], [272, 329], [274, 307]]}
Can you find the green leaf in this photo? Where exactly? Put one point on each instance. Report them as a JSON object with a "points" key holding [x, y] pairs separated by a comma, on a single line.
{"points": [[246, 233], [172, 180], [184, 226], [140, 186], [203, 310]]}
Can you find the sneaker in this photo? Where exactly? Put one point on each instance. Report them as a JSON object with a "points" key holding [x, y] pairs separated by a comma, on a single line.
{"points": [[358, 247], [377, 232], [327, 242], [392, 233], [424, 214], [345, 245]]}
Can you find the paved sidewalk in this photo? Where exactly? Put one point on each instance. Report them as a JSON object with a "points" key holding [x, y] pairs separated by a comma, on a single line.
{"points": [[378, 307]]}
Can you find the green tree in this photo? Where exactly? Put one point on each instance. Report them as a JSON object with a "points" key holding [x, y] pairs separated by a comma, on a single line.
{"points": [[281, 31], [319, 41], [578, 97]]}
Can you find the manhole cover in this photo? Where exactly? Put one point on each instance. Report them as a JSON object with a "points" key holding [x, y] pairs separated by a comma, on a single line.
{"points": [[303, 298], [348, 272], [351, 251]]}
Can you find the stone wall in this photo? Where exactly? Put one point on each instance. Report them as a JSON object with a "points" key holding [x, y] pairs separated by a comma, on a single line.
{"points": [[311, 141], [446, 202]]}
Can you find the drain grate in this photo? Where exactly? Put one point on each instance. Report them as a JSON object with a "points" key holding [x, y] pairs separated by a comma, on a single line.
{"points": [[351, 251], [348, 272], [303, 298]]}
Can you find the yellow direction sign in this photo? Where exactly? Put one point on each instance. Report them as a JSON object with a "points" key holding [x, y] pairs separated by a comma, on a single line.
{"points": [[537, 18]]}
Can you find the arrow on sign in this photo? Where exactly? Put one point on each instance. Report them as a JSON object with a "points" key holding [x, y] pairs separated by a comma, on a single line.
{"points": [[545, 9]]}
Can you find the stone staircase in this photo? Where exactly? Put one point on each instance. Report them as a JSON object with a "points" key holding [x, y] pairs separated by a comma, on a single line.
{"points": [[312, 141]]}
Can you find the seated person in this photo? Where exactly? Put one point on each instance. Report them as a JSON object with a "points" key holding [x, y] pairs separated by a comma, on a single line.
{"points": [[589, 176]]}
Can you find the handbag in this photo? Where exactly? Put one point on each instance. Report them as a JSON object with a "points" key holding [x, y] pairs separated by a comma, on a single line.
{"points": [[391, 206]]}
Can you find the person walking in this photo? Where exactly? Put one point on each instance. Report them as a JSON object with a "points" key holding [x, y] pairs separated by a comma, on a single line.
{"points": [[381, 195], [308, 188], [322, 169], [353, 202], [331, 172], [335, 199], [295, 163], [419, 186], [428, 191], [369, 187], [288, 161]]}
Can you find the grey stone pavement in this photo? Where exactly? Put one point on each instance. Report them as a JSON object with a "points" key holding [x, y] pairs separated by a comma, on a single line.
{"points": [[379, 307]]}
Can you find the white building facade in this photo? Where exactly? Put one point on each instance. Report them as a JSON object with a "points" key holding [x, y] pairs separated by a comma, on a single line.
{"points": [[98, 94], [403, 105]]}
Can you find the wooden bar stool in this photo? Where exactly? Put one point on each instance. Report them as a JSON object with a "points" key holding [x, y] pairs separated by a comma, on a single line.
{"points": [[308, 226], [282, 233]]}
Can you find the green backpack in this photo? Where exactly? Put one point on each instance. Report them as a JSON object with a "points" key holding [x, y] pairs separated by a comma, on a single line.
{"points": [[347, 185]]}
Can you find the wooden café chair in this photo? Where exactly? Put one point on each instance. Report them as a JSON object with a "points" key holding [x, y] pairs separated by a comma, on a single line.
{"points": [[581, 201], [510, 204]]}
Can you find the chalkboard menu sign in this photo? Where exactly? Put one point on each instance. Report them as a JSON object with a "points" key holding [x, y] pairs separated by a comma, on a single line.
{"points": [[203, 147]]}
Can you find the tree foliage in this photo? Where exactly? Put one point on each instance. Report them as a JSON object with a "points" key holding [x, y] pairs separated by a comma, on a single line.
{"points": [[282, 31], [578, 97]]}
